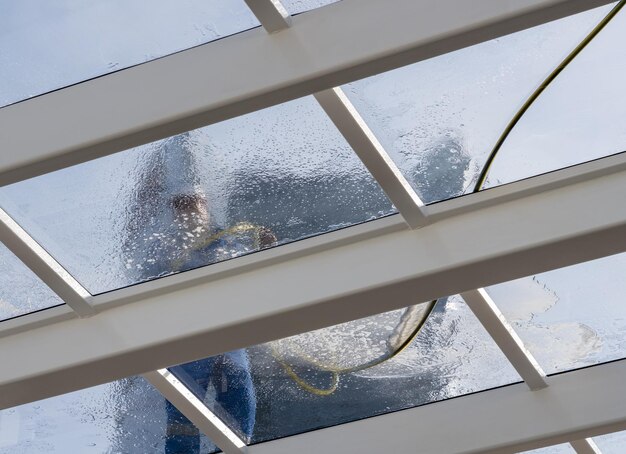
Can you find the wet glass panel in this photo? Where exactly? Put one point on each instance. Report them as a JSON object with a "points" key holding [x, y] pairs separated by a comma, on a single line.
{"points": [[351, 371], [565, 448], [611, 443], [571, 317], [439, 118], [300, 6], [264, 179], [21, 292], [126, 416], [46, 45], [577, 117], [224, 383]]}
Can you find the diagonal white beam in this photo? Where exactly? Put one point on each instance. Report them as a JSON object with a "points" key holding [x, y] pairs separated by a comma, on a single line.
{"points": [[195, 410], [325, 48], [272, 15], [44, 266], [367, 147], [508, 420], [505, 337], [585, 446], [234, 304]]}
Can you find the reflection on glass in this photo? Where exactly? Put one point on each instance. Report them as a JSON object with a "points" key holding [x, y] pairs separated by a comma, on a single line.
{"points": [[21, 292], [439, 118], [352, 371], [45, 45], [126, 416], [575, 118], [611, 443], [300, 6], [571, 317], [565, 448], [267, 178]]}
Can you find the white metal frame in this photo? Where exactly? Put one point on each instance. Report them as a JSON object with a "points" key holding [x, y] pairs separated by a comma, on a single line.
{"points": [[367, 147], [194, 315], [195, 410], [44, 266], [583, 403], [585, 446], [271, 14], [462, 244], [505, 337], [324, 48]]}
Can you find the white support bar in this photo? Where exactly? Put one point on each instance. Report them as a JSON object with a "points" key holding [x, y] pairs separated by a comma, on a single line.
{"points": [[195, 410], [271, 14], [505, 337], [324, 48], [194, 314], [578, 404], [34, 320], [531, 186], [585, 446], [44, 266], [367, 147]]}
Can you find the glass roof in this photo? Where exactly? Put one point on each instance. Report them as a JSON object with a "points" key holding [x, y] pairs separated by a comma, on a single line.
{"points": [[571, 317], [574, 119], [439, 118], [46, 45], [267, 178], [611, 443], [126, 416], [340, 374], [21, 292], [283, 174]]}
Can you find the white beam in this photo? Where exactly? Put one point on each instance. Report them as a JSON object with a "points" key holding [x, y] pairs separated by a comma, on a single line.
{"points": [[505, 337], [585, 446], [202, 312], [367, 147], [195, 410], [530, 186], [324, 48], [271, 14], [578, 404], [40, 318], [44, 266]]}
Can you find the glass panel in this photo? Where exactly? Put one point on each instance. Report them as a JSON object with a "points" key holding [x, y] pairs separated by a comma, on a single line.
{"points": [[45, 45], [21, 292], [565, 448], [126, 416], [571, 317], [311, 381], [439, 118], [611, 443], [267, 178], [300, 6], [574, 120], [224, 383]]}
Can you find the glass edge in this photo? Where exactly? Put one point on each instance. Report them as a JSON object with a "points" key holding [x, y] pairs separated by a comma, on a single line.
{"points": [[248, 254], [90, 79]]}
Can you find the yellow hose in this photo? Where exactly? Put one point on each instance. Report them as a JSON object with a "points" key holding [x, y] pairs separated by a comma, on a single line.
{"points": [[479, 184], [336, 372], [540, 89]]}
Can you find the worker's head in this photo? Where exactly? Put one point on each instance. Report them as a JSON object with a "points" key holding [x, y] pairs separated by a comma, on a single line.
{"points": [[191, 209]]}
